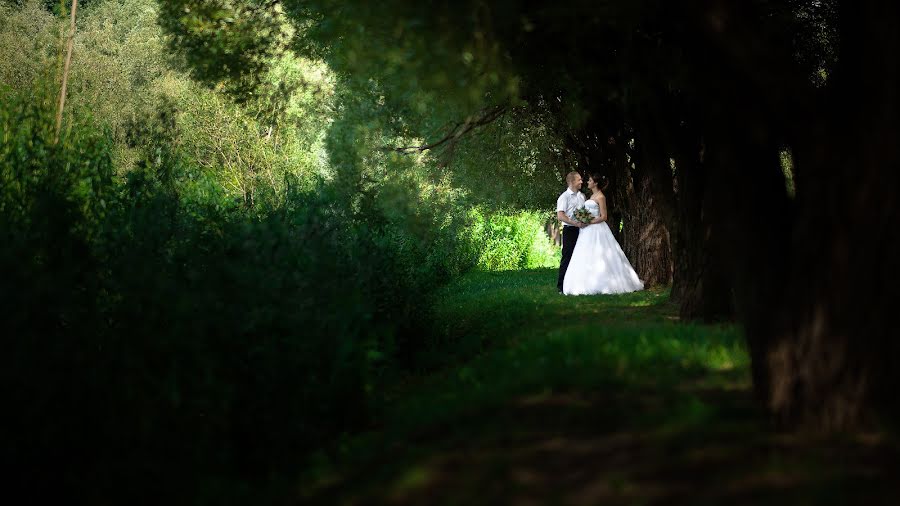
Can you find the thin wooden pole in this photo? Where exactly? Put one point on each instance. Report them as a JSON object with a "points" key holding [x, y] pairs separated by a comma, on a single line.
{"points": [[65, 77]]}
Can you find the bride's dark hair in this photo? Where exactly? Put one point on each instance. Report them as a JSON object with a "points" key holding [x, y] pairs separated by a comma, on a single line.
{"points": [[601, 180]]}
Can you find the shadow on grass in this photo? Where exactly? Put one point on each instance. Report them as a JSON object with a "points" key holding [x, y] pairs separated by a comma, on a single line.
{"points": [[701, 447], [589, 400]]}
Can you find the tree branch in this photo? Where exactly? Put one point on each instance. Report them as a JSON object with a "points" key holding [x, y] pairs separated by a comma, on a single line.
{"points": [[484, 117]]}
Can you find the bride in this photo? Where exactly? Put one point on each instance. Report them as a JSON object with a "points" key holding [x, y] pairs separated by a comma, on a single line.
{"points": [[598, 263]]}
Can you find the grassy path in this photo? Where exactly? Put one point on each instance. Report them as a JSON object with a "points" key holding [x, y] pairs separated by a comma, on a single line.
{"points": [[589, 400]]}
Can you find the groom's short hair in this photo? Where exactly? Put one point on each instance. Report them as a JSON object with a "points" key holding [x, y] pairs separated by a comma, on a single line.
{"points": [[571, 176]]}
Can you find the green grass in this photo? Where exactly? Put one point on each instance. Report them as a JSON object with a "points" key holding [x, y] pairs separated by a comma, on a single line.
{"points": [[546, 399], [526, 337]]}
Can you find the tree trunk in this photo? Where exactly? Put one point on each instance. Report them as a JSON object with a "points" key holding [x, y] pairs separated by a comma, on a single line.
{"points": [[831, 361], [745, 215], [65, 76], [657, 178], [746, 189], [815, 293], [644, 237], [619, 176], [700, 284]]}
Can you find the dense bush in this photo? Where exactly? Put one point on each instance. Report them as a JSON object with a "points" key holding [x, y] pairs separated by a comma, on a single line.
{"points": [[514, 240], [163, 336], [189, 340], [196, 292]]}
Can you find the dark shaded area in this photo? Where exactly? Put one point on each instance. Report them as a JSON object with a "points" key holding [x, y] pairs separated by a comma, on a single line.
{"points": [[656, 432], [591, 448], [185, 349]]}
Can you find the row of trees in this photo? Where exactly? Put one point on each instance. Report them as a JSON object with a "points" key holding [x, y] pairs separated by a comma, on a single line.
{"points": [[691, 107]]}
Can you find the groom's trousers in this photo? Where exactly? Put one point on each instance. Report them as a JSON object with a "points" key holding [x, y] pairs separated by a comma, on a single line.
{"points": [[569, 238]]}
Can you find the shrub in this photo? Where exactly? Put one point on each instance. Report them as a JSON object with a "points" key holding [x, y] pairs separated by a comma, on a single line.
{"points": [[514, 241], [186, 342]]}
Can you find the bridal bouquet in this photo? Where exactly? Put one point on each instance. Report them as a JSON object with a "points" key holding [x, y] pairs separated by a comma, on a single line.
{"points": [[583, 215]]}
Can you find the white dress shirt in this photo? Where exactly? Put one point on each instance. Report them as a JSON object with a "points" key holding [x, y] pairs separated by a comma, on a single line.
{"points": [[568, 202]]}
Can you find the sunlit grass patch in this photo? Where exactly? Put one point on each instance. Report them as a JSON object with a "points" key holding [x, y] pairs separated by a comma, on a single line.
{"points": [[521, 336]]}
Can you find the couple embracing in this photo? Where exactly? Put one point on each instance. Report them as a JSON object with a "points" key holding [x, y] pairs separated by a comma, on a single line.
{"points": [[592, 260]]}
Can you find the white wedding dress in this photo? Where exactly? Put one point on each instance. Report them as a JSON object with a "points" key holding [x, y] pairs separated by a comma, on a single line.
{"points": [[598, 263]]}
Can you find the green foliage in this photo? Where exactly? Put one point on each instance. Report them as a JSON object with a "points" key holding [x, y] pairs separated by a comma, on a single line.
{"points": [[201, 290], [251, 148], [513, 241], [117, 65], [236, 338], [121, 76], [465, 71], [191, 340], [514, 161], [464, 56], [29, 36], [228, 42], [786, 158], [454, 81], [118, 60], [51, 196]]}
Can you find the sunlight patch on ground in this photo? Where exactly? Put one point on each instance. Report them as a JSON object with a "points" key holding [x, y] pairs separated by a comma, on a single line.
{"points": [[414, 479]]}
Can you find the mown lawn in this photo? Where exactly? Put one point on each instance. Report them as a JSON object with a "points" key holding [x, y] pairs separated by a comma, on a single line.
{"points": [[547, 399]]}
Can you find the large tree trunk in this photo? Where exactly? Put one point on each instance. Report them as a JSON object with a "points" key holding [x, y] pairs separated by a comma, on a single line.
{"points": [[667, 129], [831, 360], [746, 210], [700, 284], [656, 178], [815, 294], [746, 190], [644, 237]]}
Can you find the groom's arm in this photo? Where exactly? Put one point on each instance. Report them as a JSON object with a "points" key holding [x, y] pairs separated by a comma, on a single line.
{"points": [[561, 216], [561, 212]]}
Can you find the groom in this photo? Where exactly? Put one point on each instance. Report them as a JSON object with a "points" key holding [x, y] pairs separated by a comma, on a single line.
{"points": [[566, 204]]}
